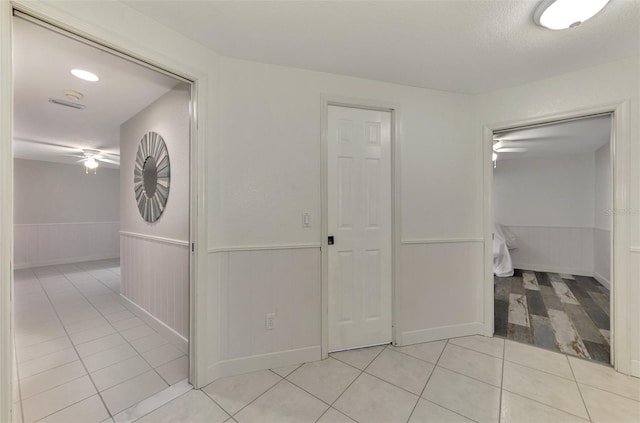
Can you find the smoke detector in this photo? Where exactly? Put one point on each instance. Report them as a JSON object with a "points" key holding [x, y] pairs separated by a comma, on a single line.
{"points": [[74, 95]]}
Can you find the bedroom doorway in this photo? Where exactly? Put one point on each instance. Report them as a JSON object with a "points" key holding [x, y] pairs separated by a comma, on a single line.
{"points": [[552, 235]]}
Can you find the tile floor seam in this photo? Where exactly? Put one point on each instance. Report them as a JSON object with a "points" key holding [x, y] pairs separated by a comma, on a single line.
{"points": [[64, 408], [216, 402], [540, 370], [428, 379], [417, 358], [303, 389], [50, 368], [590, 385], [256, 398], [56, 386], [179, 396], [504, 355], [470, 377], [480, 352], [118, 332], [543, 403], [76, 351], [584, 403], [353, 381]]}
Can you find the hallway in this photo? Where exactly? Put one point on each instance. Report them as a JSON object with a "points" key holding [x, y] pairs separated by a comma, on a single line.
{"points": [[79, 351]]}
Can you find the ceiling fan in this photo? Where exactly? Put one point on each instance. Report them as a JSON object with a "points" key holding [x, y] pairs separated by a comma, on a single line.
{"points": [[503, 146], [90, 158]]}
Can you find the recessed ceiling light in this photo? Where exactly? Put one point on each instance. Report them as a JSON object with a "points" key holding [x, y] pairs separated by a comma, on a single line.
{"points": [[86, 75], [563, 14]]}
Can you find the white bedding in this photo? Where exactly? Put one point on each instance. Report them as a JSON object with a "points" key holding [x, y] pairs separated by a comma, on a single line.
{"points": [[503, 240]]}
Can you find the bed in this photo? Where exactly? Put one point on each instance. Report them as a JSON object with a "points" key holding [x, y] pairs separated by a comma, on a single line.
{"points": [[503, 241]]}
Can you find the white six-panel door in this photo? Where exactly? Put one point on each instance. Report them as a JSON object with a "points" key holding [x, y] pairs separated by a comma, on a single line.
{"points": [[359, 219]]}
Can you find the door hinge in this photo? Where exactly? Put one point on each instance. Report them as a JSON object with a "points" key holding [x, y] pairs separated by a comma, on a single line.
{"points": [[193, 247]]}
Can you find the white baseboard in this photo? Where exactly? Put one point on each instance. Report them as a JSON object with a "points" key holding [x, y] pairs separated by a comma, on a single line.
{"points": [[169, 334], [255, 363], [553, 269], [603, 281], [442, 332], [635, 368], [30, 265]]}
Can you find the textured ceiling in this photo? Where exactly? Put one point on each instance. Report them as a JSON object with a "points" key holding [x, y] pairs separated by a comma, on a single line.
{"points": [[581, 136], [460, 46], [42, 63]]}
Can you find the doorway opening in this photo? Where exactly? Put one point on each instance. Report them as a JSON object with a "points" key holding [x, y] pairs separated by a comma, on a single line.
{"points": [[553, 235], [102, 278]]}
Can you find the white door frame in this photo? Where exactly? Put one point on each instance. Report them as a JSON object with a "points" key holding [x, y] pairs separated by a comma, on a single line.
{"points": [[194, 71], [620, 248], [394, 109]]}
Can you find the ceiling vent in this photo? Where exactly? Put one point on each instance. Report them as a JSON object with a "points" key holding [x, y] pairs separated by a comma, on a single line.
{"points": [[66, 103]]}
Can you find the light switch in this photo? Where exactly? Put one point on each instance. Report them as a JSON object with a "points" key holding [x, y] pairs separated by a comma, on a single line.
{"points": [[306, 220]]}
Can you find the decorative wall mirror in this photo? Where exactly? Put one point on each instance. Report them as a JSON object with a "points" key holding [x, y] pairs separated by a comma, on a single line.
{"points": [[151, 176]]}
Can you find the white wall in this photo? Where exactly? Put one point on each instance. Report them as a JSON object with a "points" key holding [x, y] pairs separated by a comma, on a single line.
{"points": [[545, 191], [267, 162], [602, 215], [155, 256], [548, 203], [63, 215], [610, 83]]}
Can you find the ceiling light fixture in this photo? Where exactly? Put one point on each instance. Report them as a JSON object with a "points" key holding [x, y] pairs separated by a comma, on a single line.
{"points": [[563, 14], [90, 164], [86, 75]]}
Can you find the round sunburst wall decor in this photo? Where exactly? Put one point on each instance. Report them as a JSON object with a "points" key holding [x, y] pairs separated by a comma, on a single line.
{"points": [[151, 176]]}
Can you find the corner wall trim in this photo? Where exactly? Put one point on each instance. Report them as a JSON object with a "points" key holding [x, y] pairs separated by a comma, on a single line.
{"points": [[155, 238], [254, 363], [603, 281], [169, 334], [440, 241], [442, 332], [263, 247]]}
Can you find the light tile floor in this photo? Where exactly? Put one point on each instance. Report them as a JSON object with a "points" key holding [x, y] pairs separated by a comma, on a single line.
{"points": [[81, 355], [460, 380]]}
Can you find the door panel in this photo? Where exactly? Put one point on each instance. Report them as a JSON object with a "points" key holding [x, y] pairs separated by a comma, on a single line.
{"points": [[359, 206]]}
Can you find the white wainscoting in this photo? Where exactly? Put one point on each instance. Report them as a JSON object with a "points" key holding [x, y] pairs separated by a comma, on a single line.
{"points": [[555, 249], [602, 256], [155, 277], [59, 243], [254, 281], [441, 289]]}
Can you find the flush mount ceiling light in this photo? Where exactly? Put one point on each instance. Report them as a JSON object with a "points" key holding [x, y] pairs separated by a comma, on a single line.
{"points": [[563, 14], [90, 164], [86, 75]]}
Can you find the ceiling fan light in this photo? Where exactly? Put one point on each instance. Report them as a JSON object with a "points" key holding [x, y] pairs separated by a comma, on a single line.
{"points": [[91, 163], [563, 14]]}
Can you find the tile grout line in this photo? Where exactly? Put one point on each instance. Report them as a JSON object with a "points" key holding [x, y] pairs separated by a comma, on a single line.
{"points": [[428, 379], [119, 333], [356, 378], [76, 351], [126, 340], [579, 390], [542, 403], [504, 355]]}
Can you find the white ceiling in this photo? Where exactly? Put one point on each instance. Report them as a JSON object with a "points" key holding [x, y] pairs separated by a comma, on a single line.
{"points": [[582, 136], [42, 63], [460, 46]]}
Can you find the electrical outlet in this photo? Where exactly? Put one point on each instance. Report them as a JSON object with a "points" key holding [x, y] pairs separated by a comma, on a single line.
{"points": [[270, 321]]}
